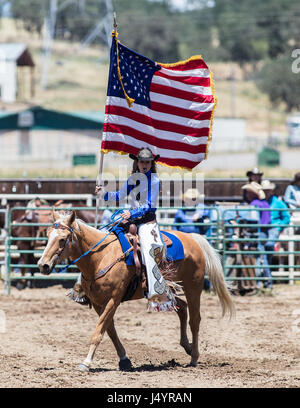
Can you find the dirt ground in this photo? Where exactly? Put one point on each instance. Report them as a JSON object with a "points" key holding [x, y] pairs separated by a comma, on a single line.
{"points": [[46, 336]]}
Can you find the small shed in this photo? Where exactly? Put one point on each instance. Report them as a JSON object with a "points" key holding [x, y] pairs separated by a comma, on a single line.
{"points": [[13, 58]]}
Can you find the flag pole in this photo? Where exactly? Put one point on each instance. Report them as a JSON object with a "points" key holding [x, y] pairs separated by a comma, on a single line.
{"points": [[99, 177], [99, 183]]}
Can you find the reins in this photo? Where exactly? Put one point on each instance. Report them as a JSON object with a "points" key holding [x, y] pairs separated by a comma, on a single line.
{"points": [[114, 224]]}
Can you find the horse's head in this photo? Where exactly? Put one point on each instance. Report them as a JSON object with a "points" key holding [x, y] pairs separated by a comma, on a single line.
{"points": [[59, 237]]}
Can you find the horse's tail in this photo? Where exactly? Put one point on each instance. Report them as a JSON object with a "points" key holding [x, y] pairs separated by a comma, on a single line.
{"points": [[214, 269]]}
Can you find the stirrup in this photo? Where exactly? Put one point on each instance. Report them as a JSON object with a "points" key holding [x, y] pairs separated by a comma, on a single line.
{"points": [[82, 299]]}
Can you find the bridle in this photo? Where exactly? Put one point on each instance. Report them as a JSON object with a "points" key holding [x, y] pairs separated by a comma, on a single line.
{"points": [[57, 225]]}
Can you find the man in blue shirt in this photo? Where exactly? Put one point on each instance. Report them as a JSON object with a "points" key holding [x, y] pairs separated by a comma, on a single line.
{"points": [[193, 213]]}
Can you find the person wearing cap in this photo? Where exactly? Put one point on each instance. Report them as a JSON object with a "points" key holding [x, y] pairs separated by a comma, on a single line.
{"points": [[279, 216], [254, 175], [292, 192], [255, 196], [142, 188], [34, 203], [191, 198], [279, 210]]}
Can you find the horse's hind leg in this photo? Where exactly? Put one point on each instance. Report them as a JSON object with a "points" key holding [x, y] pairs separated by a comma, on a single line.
{"points": [[182, 314], [193, 299]]}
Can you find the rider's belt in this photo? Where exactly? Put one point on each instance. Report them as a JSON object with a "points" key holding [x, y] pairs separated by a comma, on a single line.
{"points": [[148, 217]]}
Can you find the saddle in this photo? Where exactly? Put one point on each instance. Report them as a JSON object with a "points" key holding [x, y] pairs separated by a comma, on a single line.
{"points": [[133, 239], [140, 270]]}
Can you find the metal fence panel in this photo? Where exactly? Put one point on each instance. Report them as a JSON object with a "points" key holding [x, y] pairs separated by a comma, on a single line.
{"points": [[233, 231]]}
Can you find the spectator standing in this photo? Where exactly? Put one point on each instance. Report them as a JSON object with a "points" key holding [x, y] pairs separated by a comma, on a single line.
{"points": [[279, 216], [292, 192], [255, 196], [192, 198], [254, 175], [279, 210]]}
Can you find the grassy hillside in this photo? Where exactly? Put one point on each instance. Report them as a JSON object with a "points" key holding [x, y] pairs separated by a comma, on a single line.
{"points": [[77, 80]]}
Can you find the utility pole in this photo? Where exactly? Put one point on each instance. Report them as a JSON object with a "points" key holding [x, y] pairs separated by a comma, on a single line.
{"points": [[49, 32], [232, 92], [102, 28]]}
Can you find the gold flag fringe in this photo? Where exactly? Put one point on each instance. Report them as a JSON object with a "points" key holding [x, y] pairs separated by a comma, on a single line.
{"points": [[128, 99], [131, 100], [212, 85], [174, 64]]}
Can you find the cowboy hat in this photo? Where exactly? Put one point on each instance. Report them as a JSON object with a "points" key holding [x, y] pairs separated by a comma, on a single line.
{"points": [[192, 194], [254, 171], [144, 154], [256, 189], [267, 185], [296, 178]]}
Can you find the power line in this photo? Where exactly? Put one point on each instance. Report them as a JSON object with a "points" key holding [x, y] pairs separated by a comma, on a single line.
{"points": [[102, 29]]}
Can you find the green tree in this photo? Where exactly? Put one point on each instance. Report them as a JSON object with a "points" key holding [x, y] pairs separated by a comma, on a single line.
{"points": [[251, 30], [149, 28], [31, 13], [239, 36], [77, 19], [280, 83]]}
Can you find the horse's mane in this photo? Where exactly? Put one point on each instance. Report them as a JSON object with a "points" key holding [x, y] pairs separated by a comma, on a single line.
{"points": [[64, 215]]}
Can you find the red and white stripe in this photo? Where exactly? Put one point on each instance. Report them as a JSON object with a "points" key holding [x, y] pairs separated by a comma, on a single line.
{"points": [[177, 124]]}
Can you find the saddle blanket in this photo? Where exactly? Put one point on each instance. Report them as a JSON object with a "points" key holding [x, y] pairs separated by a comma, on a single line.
{"points": [[175, 251]]}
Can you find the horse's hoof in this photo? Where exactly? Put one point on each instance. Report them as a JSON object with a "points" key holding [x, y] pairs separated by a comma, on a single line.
{"points": [[20, 285], [125, 365], [83, 367]]}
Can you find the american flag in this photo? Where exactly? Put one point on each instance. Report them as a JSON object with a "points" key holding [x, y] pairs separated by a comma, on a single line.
{"points": [[172, 109]]}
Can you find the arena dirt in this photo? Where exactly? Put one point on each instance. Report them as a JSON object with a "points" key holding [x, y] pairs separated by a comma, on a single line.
{"points": [[46, 336]]}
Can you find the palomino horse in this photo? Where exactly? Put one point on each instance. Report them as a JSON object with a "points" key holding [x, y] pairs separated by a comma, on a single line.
{"points": [[71, 237], [41, 215]]}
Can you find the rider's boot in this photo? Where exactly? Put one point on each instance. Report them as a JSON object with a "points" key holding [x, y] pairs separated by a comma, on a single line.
{"points": [[77, 294]]}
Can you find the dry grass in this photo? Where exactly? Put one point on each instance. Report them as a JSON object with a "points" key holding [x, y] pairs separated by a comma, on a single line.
{"points": [[78, 81], [91, 172]]}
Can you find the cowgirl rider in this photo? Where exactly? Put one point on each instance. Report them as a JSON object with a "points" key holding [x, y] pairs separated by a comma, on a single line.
{"points": [[142, 188]]}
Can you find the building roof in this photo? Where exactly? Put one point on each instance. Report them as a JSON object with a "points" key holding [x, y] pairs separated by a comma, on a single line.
{"points": [[39, 118], [17, 52]]}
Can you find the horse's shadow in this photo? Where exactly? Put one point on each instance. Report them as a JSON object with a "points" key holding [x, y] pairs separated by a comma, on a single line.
{"points": [[146, 367]]}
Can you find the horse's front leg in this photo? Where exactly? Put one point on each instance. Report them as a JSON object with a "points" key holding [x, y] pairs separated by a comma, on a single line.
{"points": [[124, 363], [104, 322]]}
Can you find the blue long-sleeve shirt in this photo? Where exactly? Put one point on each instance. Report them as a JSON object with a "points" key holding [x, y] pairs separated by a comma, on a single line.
{"points": [[143, 190], [290, 195], [186, 216], [277, 216]]}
